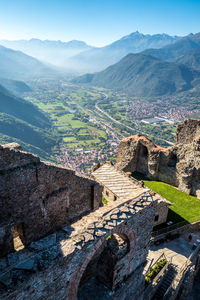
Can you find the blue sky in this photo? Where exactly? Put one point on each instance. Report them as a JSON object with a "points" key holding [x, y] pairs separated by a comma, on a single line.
{"points": [[98, 22]]}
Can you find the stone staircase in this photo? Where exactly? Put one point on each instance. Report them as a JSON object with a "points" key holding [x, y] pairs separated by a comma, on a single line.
{"points": [[166, 282]]}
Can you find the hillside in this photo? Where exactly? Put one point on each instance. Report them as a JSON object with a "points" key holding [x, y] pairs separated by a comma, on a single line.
{"points": [[99, 58], [24, 123], [21, 109], [191, 59], [12, 128], [15, 86], [19, 66], [143, 75]]}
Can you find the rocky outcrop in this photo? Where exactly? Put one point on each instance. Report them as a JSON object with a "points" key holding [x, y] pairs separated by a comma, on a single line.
{"points": [[178, 165]]}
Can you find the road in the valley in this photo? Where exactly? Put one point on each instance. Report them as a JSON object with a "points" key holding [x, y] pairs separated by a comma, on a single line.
{"points": [[118, 122]]}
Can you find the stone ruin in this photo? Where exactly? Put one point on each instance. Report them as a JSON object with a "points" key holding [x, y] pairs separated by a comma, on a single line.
{"points": [[37, 197], [58, 241], [120, 185], [178, 165]]}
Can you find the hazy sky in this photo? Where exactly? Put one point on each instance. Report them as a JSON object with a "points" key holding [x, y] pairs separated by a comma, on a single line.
{"points": [[98, 22]]}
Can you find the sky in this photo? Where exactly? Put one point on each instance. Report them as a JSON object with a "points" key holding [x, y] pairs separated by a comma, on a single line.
{"points": [[97, 22]]}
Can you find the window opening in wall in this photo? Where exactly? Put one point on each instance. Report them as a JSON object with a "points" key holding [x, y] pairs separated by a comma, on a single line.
{"points": [[107, 194], [156, 218], [18, 237], [92, 197], [144, 151], [172, 160], [115, 198], [142, 160]]}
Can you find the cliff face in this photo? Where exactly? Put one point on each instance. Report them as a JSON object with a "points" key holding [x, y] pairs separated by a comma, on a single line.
{"points": [[178, 165]]}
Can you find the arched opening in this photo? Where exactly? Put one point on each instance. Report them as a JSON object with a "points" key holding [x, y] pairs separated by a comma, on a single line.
{"points": [[172, 160], [144, 151], [142, 159], [105, 270]]}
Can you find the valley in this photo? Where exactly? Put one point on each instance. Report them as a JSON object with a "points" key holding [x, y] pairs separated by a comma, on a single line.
{"points": [[90, 122], [78, 119]]}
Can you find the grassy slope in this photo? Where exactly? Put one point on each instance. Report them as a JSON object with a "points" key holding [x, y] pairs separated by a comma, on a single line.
{"points": [[184, 205]]}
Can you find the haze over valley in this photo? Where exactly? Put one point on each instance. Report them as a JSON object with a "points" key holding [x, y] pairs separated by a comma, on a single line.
{"points": [[78, 56]]}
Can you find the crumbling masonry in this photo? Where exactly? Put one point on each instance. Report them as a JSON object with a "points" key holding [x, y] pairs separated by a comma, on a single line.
{"points": [[72, 244], [178, 165]]}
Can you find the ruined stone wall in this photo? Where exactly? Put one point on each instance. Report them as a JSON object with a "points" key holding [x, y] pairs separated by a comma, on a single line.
{"points": [[178, 165], [162, 212], [52, 268], [39, 196], [188, 131]]}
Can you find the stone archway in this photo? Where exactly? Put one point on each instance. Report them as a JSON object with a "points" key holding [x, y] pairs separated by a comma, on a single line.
{"points": [[80, 275]]}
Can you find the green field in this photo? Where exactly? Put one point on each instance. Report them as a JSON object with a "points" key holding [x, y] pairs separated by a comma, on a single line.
{"points": [[74, 130]]}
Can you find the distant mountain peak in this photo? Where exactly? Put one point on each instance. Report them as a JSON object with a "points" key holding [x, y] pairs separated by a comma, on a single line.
{"points": [[140, 35], [132, 35], [136, 33]]}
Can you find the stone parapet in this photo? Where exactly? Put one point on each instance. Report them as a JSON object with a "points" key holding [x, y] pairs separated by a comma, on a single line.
{"points": [[53, 267]]}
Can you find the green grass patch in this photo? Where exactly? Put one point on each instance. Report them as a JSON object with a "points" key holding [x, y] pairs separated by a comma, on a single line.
{"points": [[185, 207]]}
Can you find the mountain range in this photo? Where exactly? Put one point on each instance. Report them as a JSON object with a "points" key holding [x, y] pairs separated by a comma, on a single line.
{"points": [[154, 72], [78, 56], [99, 58], [53, 52]]}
